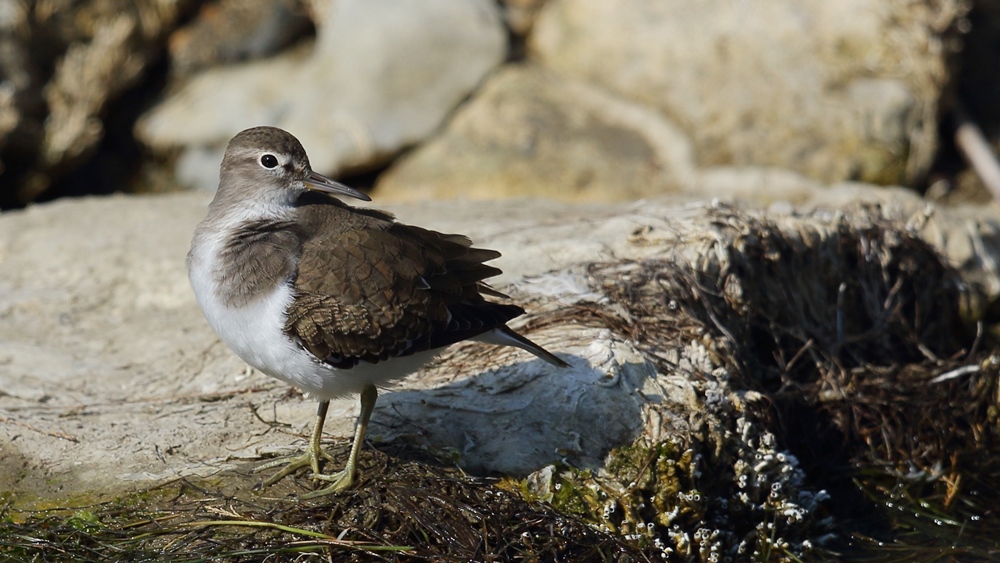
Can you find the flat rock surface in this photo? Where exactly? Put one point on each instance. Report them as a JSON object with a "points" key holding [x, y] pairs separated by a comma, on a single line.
{"points": [[111, 379], [109, 375]]}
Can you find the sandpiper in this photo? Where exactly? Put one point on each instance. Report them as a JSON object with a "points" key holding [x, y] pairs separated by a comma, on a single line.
{"points": [[330, 298]]}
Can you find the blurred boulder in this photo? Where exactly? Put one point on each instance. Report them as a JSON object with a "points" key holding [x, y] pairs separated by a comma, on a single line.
{"points": [[520, 15], [236, 30], [835, 90], [62, 64], [529, 132], [381, 76]]}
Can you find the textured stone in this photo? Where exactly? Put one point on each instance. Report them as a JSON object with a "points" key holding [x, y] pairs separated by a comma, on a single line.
{"points": [[235, 30], [529, 132], [835, 90], [382, 75], [111, 379], [63, 64]]}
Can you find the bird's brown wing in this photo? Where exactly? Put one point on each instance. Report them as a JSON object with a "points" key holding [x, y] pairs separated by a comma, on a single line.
{"points": [[376, 289]]}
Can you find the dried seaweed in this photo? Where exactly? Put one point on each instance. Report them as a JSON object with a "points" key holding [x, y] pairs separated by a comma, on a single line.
{"points": [[847, 331], [405, 511]]}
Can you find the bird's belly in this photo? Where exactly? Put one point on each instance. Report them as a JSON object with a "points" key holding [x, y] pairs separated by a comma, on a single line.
{"points": [[255, 332]]}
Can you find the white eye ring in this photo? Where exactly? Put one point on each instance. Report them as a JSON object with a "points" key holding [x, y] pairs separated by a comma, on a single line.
{"points": [[268, 161]]}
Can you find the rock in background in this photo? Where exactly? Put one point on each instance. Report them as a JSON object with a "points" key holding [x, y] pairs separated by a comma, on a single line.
{"points": [[62, 64], [577, 100], [231, 31], [529, 131], [382, 75], [835, 90]]}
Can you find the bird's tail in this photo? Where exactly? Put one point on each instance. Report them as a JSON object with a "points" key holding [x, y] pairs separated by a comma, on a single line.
{"points": [[504, 336]]}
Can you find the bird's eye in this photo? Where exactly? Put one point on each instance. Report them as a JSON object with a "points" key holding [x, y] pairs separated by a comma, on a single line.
{"points": [[268, 161]]}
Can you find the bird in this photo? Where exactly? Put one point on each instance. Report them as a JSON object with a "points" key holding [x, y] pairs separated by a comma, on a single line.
{"points": [[330, 298]]}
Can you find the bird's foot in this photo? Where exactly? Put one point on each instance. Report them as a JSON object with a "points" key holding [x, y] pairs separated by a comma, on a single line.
{"points": [[310, 458], [341, 481]]}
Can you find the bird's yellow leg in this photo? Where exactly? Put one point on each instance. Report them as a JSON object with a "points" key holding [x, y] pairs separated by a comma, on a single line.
{"points": [[344, 479], [310, 458]]}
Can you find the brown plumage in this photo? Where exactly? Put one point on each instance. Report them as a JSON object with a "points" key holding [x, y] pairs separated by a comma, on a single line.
{"points": [[368, 288]]}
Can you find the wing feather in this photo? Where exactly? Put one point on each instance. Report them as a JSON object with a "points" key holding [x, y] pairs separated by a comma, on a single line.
{"points": [[370, 288]]}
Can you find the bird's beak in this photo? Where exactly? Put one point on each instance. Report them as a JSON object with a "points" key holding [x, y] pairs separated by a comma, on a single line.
{"points": [[320, 183]]}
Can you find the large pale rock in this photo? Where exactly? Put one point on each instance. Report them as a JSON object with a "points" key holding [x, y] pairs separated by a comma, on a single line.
{"points": [[531, 132], [110, 378], [835, 90], [382, 75]]}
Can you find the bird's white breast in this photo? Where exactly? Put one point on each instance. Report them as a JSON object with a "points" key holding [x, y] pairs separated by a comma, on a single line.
{"points": [[255, 332]]}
